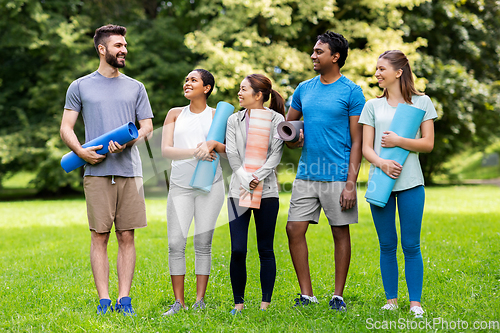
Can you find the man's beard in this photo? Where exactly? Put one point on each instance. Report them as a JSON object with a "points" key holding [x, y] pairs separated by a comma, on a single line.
{"points": [[113, 61]]}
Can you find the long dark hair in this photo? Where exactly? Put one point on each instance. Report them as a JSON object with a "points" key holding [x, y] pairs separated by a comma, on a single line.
{"points": [[398, 60], [261, 83]]}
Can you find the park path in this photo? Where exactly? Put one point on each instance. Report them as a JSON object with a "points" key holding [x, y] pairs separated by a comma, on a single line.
{"points": [[494, 181]]}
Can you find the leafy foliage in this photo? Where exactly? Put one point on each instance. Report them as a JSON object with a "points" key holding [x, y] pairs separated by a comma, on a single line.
{"points": [[46, 45]]}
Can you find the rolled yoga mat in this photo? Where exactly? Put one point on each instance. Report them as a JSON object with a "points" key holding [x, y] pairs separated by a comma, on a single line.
{"points": [[204, 174], [290, 130], [122, 135], [405, 123], [256, 152]]}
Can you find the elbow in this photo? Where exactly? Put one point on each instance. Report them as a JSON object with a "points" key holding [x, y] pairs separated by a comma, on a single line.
{"points": [[364, 150], [430, 147]]}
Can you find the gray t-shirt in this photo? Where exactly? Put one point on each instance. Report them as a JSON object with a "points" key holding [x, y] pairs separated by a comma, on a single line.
{"points": [[378, 113], [105, 104]]}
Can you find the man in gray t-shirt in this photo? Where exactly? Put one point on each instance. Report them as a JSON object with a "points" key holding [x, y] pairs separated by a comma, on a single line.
{"points": [[108, 99]]}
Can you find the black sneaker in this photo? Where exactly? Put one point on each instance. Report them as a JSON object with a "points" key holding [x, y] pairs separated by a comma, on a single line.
{"points": [[304, 301], [336, 303]]}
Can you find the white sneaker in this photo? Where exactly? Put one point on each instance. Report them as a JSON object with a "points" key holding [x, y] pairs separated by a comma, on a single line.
{"points": [[175, 308], [417, 311], [313, 299], [390, 307]]}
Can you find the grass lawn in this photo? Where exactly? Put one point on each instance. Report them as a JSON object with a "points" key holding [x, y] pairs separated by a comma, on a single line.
{"points": [[46, 283]]}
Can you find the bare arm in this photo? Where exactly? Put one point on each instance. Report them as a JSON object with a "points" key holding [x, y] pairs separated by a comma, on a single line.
{"points": [[390, 167], [167, 140], [291, 116], [423, 145], [348, 195], [68, 135], [145, 131]]}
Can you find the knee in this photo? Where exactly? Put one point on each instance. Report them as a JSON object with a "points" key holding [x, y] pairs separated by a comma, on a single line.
{"points": [[293, 230], [238, 254], [99, 239], [266, 254], [389, 247], [176, 246], [411, 248], [125, 237]]}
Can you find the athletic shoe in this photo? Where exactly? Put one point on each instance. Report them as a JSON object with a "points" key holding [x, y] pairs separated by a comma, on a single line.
{"points": [[417, 311], [390, 307], [235, 312], [304, 300], [104, 305], [337, 303], [124, 306], [175, 308], [200, 305]]}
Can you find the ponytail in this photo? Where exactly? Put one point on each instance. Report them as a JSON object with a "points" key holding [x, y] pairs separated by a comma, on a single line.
{"points": [[277, 102], [260, 83]]}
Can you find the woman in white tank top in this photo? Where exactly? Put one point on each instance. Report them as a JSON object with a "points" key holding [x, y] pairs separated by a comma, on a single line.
{"points": [[184, 142]]}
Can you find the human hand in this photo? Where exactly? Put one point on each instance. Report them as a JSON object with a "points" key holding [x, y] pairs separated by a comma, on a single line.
{"points": [[202, 151], [348, 197], [254, 183], [299, 143], [89, 155], [115, 147], [392, 168], [390, 139]]}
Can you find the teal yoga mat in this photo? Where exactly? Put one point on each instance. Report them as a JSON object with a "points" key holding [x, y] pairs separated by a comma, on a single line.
{"points": [[204, 174], [405, 123], [122, 135]]}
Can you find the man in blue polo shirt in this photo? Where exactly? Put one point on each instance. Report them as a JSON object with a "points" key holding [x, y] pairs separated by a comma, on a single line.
{"points": [[328, 168]]}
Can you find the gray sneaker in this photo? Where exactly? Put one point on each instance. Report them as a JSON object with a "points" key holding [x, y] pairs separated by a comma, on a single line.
{"points": [[175, 308], [200, 305]]}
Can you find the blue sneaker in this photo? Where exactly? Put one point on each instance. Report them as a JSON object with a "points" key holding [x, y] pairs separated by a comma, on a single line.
{"points": [[337, 303], [235, 312], [104, 305], [124, 306], [304, 300]]}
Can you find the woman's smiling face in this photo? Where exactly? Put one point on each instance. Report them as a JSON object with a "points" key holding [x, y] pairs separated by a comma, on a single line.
{"points": [[247, 97], [193, 85]]}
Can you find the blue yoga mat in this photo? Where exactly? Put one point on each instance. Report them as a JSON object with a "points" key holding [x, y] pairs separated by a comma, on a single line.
{"points": [[405, 123], [122, 135], [204, 173]]}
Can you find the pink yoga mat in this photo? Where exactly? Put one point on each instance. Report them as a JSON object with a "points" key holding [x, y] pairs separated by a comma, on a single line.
{"points": [[256, 152]]}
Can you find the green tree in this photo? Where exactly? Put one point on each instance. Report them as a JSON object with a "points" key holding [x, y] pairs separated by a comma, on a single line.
{"points": [[46, 45], [461, 63], [276, 38]]}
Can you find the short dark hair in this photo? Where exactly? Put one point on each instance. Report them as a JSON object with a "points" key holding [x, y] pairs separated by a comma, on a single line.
{"points": [[337, 43], [103, 33], [207, 78]]}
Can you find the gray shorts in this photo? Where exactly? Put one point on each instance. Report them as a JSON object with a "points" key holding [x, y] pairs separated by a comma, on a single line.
{"points": [[308, 197]]}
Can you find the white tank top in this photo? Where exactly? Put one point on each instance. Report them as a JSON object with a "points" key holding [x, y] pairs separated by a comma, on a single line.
{"points": [[190, 129]]}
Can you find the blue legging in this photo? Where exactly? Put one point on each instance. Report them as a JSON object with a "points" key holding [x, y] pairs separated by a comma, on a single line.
{"points": [[411, 208], [265, 225]]}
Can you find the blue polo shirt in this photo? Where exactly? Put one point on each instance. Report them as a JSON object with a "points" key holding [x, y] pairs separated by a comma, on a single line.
{"points": [[327, 137]]}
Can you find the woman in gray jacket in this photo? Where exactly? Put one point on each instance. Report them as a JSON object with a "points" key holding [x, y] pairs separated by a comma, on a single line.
{"points": [[255, 90]]}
